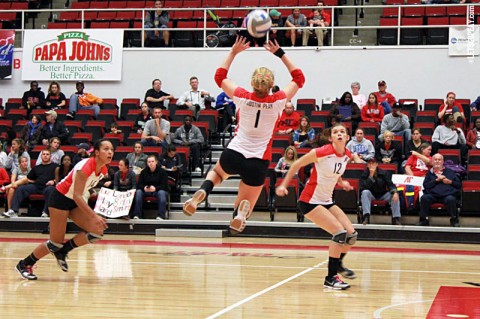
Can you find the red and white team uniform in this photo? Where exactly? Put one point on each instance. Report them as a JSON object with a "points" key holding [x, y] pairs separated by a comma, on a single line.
{"points": [[88, 166], [257, 119], [328, 168]]}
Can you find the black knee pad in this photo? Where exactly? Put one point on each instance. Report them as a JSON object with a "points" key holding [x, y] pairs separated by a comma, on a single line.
{"points": [[351, 238], [92, 238], [340, 237], [53, 247]]}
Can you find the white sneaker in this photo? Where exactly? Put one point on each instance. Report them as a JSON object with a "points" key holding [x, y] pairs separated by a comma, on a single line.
{"points": [[190, 206], [198, 170], [237, 225], [44, 214], [10, 213], [159, 218], [135, 217]]}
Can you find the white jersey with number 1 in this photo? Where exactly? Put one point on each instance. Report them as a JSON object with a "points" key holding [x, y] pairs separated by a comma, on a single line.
{"points": [[257, 119]]}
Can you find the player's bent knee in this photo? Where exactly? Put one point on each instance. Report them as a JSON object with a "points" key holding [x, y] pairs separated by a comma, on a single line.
{"points": [[93, 238], [351, 238], [52, 246], [340, 237]]}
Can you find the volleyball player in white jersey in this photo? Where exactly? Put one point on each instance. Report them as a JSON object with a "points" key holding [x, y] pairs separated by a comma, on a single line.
{"points": [[316, 202], [69, 200], [249, 152]]}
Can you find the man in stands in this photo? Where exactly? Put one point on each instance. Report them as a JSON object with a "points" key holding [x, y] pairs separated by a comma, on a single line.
{"points": [[290, 120], [33, 98], [155, 96], [158, 20], [53, 128], [195, 98], [191, 136], [384, 98], [157, 130], [397, 123], [83, 101]]}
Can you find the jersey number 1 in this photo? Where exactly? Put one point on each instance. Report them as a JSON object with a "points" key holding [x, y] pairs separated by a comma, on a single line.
{"points": [[257, 118]]}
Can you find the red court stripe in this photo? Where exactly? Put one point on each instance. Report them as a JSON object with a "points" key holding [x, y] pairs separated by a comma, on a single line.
{"points": [[455, 302]]}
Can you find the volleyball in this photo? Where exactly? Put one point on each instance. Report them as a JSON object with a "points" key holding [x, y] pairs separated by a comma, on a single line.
{"points": [[258, 23]]}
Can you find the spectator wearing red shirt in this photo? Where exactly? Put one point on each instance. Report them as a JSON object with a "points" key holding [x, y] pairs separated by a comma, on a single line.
{"points": [[289, 121], [327, 18], [384, 98], [419, 162], [452, 107], [372, 111], [473, 136]]}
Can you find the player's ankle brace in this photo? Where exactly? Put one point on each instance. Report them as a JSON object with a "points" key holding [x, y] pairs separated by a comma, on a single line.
{"points": [[207, 186], [53, 247]]}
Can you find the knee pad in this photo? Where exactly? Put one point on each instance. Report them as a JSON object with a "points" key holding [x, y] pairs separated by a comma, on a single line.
{"points": [[340, 237], [92, 238], [53, 247], [351, 238]]}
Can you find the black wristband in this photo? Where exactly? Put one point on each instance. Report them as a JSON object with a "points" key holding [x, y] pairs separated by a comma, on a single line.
{"points": [[279, 53]]}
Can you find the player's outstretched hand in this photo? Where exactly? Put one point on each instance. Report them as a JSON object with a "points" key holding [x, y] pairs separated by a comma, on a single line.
{"points": [[281, 191], [271, 46], [346, 186], [241, 44]]}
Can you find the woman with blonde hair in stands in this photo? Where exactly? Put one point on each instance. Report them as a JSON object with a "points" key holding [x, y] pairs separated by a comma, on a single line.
{"points": [[249, 153], [284, 163]]}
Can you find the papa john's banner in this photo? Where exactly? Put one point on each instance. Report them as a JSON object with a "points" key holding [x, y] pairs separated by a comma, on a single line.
{"points": [[73, 55], [7, 40]]}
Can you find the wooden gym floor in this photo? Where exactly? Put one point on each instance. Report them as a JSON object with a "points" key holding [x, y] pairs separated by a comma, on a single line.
{"points": [[148, 277]]}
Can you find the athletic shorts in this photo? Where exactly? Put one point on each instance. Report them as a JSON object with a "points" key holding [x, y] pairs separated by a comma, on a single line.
{"points": [[59, 201], [252, 171], [306, 208]]}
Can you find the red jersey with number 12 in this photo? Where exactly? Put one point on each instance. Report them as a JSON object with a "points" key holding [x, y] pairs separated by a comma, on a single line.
{"points": [[257, 119], [325, 173]]}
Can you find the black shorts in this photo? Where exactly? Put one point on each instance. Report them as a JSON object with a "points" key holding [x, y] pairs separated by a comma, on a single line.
{"points": [[252, 171], [59, 201], [306, 208]]}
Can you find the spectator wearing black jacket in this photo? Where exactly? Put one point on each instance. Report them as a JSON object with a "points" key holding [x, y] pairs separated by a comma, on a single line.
{"points": [[53, 128], [388, 151], [33, 98]]}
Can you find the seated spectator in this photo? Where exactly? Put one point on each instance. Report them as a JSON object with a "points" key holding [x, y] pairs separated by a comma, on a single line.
{"points": [[376, 184], [4, 177], [475, 106], [226, 103], [415, 143], [277, 22], [55, 98], [360, 147], [137, 159], [346, 110], [289, 121], [172, 164], [114, 128], [419, 162], [3, 156], [294, 21], [83, 151], [385, 99], [157, 130], [81, 100], [125, 179], [372, 111], [155, 96], [357, 97], [397, 123], [33, 98], [64, 168], [441, 185], [195, 98], [153, 181], [473, 136], [286, 161], [452, 107], [56, 153], [36, 182], [387, 151], [157, 19], [31, 131], [304, 135], [191, 136], [318, 23], [142, 118], [448, 136], [17, 150], [17, 173], [53, 128]]}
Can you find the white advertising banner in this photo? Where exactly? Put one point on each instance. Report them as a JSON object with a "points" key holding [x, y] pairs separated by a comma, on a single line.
{"points": [[72, 55], [464, 41], [403, 179]]}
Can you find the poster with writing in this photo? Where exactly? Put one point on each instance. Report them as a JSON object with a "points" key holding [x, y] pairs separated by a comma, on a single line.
{"points": [[113, 204]]}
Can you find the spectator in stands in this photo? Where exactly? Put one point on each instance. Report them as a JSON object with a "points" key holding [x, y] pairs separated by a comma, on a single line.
{"points": [[289, 121], [372, 111], [327, 18], [53, 128], [3, 156], [441, 185], [64, 168], [55, 98], [226, 103], [157, 19], [36, 182], [385, 99], [358, 97], [153, 181], [277, 22], [318, 23], [360, 147], [191, 136], [4, 177], [17, 173], [31, 131], [195, 98], [143, 118], [16, 151], [114, 128], [473, 136], [346, 110], [475, 106], [397, 123], [83, 151], [452, 107], [415, 143], [304, 135], [33, 98], [157, 130], [125, 179], [171, 162], [106, 181], [387, 151], [56, 153], [448, 136], [81, 100], [294, 21], [155, 96], [286, 161], [376, 184], [137, 159], [419, 162]]}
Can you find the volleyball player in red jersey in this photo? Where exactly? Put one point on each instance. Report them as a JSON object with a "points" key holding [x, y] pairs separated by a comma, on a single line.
{"points": [[249, 152], [69, 200], [316, 202]]}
